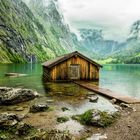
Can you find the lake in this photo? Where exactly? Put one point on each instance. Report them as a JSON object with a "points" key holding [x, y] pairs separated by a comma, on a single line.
{"points": [[121, 78]]}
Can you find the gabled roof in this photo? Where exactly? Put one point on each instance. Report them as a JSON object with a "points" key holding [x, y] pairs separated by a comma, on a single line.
{"points": [[59, 59]]}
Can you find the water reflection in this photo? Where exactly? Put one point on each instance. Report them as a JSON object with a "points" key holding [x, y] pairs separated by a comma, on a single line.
{"points": [[124, 79]]}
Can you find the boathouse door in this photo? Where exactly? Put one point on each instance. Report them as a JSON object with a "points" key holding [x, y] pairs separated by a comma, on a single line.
{"points": [[74, 71]]}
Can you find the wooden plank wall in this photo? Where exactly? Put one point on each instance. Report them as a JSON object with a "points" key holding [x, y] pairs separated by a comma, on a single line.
{"points": [[88, 71], [46, 74]]}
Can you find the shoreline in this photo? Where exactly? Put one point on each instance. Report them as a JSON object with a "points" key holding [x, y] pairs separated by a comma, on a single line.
{"points": [[126, 126]]}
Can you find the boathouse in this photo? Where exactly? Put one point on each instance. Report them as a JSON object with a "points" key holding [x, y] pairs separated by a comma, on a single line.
{"points": [[72, 66]]}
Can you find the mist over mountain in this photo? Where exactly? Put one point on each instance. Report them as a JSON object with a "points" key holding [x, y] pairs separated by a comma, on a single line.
{"points": [[93, 41], [36, 30], [130, 50], [97, 47]]}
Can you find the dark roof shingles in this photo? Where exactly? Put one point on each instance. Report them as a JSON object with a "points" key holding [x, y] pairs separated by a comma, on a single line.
{"points": [[59, 59]]}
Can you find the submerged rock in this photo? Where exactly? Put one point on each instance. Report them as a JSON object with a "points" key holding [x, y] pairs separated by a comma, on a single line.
{"points": [[10, 96], [15, 74], [64, 109], [119, 108], [8, 119], [23, 128], [49, 101], [39, 108], [93, 98], [113, 101], [19, 109], [125, 105], [97, 136], [91, 93]]}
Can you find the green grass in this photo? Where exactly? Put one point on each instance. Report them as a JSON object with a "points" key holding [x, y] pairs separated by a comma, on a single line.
{"points": [[62, 119], [88, 119]]}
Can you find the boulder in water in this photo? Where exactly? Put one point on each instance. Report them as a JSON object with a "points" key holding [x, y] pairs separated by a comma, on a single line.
{"points": [[10, 96], [38, 108]]}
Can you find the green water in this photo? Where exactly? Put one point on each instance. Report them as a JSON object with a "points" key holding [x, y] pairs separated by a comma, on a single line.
{"points": [[124, 79]]}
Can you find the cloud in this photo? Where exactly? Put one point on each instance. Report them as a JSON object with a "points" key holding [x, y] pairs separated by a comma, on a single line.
{"points": [[113, 16]]}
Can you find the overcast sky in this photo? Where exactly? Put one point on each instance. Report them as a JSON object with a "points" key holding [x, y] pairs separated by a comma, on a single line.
{"points": [[113, 16]]}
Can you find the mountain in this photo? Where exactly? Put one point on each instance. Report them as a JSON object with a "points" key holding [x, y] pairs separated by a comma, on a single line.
{"points": [[94, 43], [35, 31], [50, 15], [130, 52], [109, 51], [31, 34]]}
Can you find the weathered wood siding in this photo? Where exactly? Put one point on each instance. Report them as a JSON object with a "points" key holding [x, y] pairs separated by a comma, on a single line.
{"points": [[88, 71]]}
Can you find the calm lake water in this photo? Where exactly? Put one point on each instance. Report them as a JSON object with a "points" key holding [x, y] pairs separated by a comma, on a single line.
{"points": [[121, 78], [124, 79]]}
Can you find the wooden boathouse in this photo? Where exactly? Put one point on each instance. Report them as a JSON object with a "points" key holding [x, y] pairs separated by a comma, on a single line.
{"points": [[72, 66]]}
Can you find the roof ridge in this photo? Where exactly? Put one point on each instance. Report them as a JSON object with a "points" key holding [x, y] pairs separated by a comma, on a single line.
{"points": [[52, 62]]}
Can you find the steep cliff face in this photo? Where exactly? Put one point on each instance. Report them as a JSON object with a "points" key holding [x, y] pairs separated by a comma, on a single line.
{"points": [[23, 38], [50, 15]]}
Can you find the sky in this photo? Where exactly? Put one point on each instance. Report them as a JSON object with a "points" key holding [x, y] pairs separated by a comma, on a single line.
{"points": [[114, 17]]}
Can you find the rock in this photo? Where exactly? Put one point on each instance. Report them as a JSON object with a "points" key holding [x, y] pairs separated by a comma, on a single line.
{"points": [[129, 126], [82, 98], [3, 90], [125, 105], [96, 118], [23, 128], [10, 96], [15, 74], [64, 108], [26, 106], [60, 135], [93, 98], [134, 109], [12, 128], [39, 108], [69, 94], [62, 119], [8, 119], [119, 108], [91, 93], [113, 101], [49, 101], [97, 136], [19, 109], [51, 135]]}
